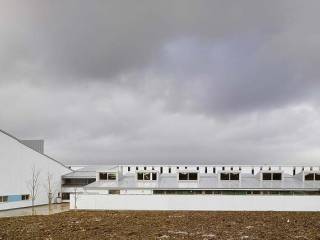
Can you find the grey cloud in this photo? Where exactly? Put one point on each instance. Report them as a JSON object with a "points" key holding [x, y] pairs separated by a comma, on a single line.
{"points": [[163, 81]]}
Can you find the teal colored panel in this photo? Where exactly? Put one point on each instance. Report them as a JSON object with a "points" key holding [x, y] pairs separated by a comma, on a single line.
{"points": [[14, 198]]}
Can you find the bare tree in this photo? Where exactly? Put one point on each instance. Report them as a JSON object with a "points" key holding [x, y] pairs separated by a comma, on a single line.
{"points": [[50, 188], [75, 195], [33, 185]]}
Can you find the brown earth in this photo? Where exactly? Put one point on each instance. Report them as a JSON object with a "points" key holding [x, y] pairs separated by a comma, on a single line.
{"points": [[163, 225]]}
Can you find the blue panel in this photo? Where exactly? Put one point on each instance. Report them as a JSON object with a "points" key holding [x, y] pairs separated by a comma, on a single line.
{"points": [[14, 198]]}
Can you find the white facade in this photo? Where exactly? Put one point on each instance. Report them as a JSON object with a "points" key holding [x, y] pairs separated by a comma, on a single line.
{"points": [[196, 202], [201, 187], [17, 163]]}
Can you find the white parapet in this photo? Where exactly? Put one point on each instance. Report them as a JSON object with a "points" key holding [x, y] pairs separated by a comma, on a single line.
{"points": [[195, 202]]}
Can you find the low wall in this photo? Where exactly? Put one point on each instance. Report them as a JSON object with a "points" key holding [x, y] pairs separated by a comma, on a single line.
{"points": [[196, 202]]}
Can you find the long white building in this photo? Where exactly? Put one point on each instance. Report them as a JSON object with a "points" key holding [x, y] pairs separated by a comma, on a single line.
{"points": [[152, 187], [23, 162], [194, 187]]}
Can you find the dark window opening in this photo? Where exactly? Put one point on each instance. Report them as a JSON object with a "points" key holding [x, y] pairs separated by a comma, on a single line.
{"points": [[205, 170], [161, 170], [154, 176], [223, 168], [294, 171], [224, 176], [103, 176], [114, 191], [25, 197], [137, 168], [214, 170], [145, 168], [169, 170], [193, 176], [188, 176], [309, 177], [129, 169], [277, 176], [183, 176], [198, 168], [252, 171], [65, 196], [266, 176], [140, 176], [317, 176], [234, 176]]}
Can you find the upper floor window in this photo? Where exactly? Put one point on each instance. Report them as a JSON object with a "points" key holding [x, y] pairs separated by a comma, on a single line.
{"points": [[188, 176], [147, 176], [271, 176], [312, 177], [230, 176], [107, 176]]}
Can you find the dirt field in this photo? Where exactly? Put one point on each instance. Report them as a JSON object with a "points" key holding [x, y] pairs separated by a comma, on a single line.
{"points": [[163, 225]]}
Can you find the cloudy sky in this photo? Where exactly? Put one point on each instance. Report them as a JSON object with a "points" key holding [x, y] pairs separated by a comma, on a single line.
{"points": [[163, 81]]}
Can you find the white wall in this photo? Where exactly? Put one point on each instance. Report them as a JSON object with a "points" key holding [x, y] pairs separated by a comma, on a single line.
{"points": [[196, 202], [16, 162]]}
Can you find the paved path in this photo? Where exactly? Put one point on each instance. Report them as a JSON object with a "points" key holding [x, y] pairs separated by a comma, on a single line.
{"points": [[40, 210]]}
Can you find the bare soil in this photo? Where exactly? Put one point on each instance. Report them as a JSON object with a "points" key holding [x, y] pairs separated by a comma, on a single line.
{"points": [[163, 225]]}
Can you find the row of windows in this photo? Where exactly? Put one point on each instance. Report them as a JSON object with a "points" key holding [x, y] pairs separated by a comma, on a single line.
{"points": [[214, 169], [233, 192], [312, 177], [14, 198]]}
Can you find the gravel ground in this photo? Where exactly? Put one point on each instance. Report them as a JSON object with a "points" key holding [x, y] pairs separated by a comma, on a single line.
{"points": [[163, 225]]}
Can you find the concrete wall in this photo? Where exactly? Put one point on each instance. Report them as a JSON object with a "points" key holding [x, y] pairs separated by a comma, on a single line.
{"points": [[196, 202], [16, 162]]}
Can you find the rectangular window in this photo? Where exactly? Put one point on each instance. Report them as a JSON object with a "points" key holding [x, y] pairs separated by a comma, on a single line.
{"points": [[230, 176], [161, 170], [25, 197], [188, 176], [129, 169], [183, 176], [309, 177], [317, 176], [114, 191], [112, 176], [266, 176], [214, 170], [234, 176], [140, 176], [147, 176], [205, 170], [169, 170], [224, 176], [193, 176], [103, 176], [154, 176], [276, 176], [271, 176]]}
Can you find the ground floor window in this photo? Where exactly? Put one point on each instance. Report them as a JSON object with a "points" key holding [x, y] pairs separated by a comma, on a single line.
{"points": [[234, 192], [114, 191], [3, 198], [65, 196]]}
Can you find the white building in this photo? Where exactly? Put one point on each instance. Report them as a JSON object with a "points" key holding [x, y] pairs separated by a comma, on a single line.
{"points": [[187, 187], [18, 163]]}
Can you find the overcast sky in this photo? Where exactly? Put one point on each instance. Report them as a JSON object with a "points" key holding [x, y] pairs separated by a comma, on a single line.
{"points": [[163, 81]]}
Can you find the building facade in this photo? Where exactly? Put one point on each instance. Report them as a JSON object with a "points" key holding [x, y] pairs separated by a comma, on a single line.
{"points": [[25, 170], [194, 187]]}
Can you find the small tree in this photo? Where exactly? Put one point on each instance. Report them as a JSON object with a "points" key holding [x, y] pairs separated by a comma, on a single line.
{"points": [[50, 188], [33, 185], [75, 195]]}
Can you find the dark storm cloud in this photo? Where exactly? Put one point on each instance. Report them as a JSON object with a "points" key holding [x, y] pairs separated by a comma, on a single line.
{"points": [[114, 81]]}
